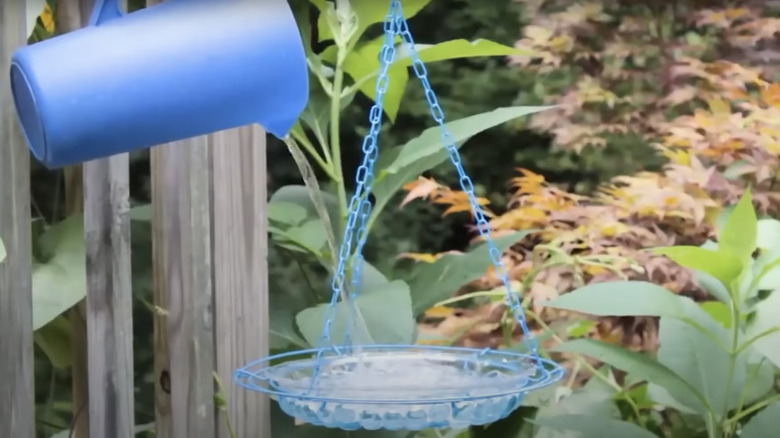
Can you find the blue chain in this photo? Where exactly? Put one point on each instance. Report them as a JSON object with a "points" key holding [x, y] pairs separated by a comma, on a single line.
{"points": [[360, 206], [396, 25]]}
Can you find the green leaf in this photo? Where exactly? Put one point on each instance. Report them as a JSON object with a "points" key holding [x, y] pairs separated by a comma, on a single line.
{"points": [[718, 311], [368, 12], [595, 400], [766, 318], [767, 264], [61, 281], [638, 364], [595, 426], [661, 396], [286, 213], [623, 298], [700, 359], [739, 234], [54, 340], [386, 313], [371, 277], [141, 213], [457, 49], [764, 424], [437, 281], [712, 286], [400, 165], [3, 254], [723, 265], [310, 235], [282, 323], [299, 195], [363, 64]]}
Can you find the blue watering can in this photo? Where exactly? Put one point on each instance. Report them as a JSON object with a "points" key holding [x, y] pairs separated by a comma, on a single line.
{"points": [[176, 70]]}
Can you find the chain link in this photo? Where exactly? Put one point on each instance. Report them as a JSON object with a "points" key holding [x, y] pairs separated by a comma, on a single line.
{"points": [[360, 207]]}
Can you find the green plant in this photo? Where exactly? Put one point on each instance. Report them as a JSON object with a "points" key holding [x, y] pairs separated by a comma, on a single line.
{"points": [[306, 221], [716, 363]]}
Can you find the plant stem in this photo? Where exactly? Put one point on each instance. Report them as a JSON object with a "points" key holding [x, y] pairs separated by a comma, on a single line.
{"points": [[733, 354], [335, 143], [756, 407]]}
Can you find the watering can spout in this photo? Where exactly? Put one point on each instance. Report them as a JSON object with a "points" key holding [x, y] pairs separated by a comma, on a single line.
{"points": [[175, 70]]}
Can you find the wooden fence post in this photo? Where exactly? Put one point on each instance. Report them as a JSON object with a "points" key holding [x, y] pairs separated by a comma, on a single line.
{"points": [[109, 297], [181, 206], [17, 408], [241, 271]]}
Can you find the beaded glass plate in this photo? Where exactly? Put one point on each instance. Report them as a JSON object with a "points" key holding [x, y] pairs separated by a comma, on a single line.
{"points": [[395, 387]]}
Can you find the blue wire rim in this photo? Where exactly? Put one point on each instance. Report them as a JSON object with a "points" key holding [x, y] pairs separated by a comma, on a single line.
{"points": [[272, 375]]}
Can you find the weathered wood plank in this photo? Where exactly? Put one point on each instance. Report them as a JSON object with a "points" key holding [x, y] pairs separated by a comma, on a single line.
{"points": [[17, 409], [241, 271], [185, 234], [71, 15], [162, 360], [109, 297]]}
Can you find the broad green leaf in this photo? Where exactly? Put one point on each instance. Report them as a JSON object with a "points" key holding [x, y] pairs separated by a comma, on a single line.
{"points": [[437, 281], [368, 12], [3, 254], [595, 399], [429, 143], [309, 238], [739, 234], [767, 264], [299, 195], [371, 278], [286, 213], [701, 360], [386, 312], [400, 165], [595, 426], [141, 213], [310, 235], [363, 64], [515, 425], [61, 281], [760, 380], [712, 286], [640, 365], [623, 298], [767, 318], [282, 333], [54, 340], [457, 49], [661, 396], [723, 265], [764, 424], [718, 311]]}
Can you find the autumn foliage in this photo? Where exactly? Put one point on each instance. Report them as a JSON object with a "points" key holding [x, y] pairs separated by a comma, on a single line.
{"points": [[716, 123]]}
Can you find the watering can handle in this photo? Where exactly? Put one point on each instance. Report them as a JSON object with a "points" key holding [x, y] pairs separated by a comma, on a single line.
{"points": [[104, 11]]}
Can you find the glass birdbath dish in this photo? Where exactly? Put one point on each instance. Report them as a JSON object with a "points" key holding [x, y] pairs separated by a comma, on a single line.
{"points": [[395, 387]]}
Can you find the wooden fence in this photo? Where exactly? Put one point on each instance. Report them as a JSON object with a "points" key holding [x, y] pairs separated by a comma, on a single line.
{"points": [[210, 277]]}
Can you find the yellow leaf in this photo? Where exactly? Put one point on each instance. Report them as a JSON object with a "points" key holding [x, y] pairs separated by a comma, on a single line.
{"points": [[426, 258], [47, 18], [439, 312], [719, 107]]}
